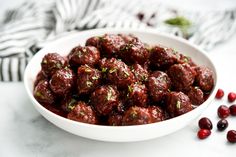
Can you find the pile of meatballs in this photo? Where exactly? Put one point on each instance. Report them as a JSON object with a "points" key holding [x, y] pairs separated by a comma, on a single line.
{"points": [[117, 80]]}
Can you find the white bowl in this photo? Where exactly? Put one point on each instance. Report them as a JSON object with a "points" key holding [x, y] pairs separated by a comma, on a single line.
{"points": [[119, 133]]}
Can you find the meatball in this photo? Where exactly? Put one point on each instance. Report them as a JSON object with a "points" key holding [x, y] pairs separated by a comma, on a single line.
{"points": [[40, 76], [68, 103], [141, 74], [52, 62], [204, 78], [158, 85], [62, 81], [110, 44], [177, 104], [196, 96], [137, 95], [115, 119], [117, 72], [93, 41], [83, 113], [163, 57], [88, 79], [182, 76], [105, 99], [140, 115], [134, 52], [43, 93], [79, 55]]}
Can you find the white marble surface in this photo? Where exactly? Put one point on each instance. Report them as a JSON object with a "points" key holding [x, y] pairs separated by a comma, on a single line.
{"points": [[24, 132]]}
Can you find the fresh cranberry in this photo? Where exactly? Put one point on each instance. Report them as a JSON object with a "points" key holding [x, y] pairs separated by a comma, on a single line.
{"points": [[223, 111], [222, 124], [205, 123], [232, 109], [231, 96], [231, 136], [203, 133], [220, 93]]}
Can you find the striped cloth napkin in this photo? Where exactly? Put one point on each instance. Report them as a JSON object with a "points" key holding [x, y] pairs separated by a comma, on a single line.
{"points": [[29, 27]]}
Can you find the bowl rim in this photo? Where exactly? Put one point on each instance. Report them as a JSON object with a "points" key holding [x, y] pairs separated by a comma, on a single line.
{"points": [[116, 31]]}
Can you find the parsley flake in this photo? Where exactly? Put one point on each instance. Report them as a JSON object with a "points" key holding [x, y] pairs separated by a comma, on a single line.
{"points": [[178, 104], [89, 83], [104, 70]]}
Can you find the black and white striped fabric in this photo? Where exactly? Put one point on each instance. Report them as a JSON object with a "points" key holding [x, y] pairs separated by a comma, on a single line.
{"points": [[29, 27]]}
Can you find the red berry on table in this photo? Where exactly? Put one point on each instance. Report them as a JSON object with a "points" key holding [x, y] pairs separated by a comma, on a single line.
{"points": [[205, 123], [232, 109], [222, 124], [203, 133], [231, 136], [219, 94], [223, 111], [231, 96]]}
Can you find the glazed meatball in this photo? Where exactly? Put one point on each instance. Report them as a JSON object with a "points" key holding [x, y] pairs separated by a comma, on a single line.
{"points": [[40, 76], [162, 57], [141, 74], [105, 99], [68, 103], [140, 115], [62, 81], [182, 76], [117, 72], [204, 78], [43, 93], [137, 94], [93, 41], [115, 119], [178, 103], [110, 44], [158, 85], [196, 96], [52, 62], [79, 55], [88, 79], [134, 52], [83, 113]]}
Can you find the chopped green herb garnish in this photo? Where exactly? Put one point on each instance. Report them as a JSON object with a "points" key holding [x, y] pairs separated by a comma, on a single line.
{"points": [[38, 94], [45, 61], [104, 70], [79, 54], [81, 113], [95, 77], [71, 104], [89, 83], [130, 89], [58, 65], [112, 70], [186, 59], [109, 96], [133, 115], [178, 104], [87, 70], [126, 73]]}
